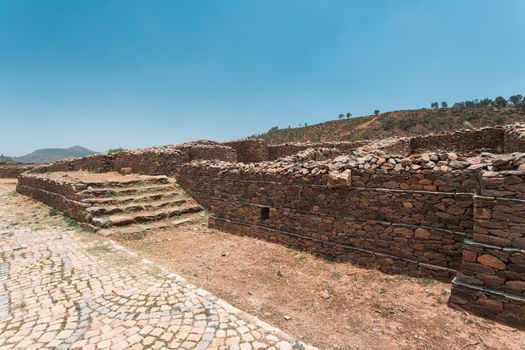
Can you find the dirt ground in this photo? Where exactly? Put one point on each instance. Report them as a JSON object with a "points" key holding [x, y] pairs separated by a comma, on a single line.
{"points": [[91, 176], [330, 305]]}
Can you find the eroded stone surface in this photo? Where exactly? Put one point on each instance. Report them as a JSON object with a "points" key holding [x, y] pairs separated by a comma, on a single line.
{"points": [[65, 290]]}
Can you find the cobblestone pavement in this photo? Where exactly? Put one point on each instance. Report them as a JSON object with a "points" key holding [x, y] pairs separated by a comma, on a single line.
{"points": [[62, 289]]}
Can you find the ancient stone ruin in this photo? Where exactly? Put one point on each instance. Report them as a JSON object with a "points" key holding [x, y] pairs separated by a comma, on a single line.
{"points": [[449, 206]]}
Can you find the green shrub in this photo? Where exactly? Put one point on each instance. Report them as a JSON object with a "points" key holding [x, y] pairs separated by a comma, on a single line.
{"points": [[467, 125], [116, 150], [356, 137]]}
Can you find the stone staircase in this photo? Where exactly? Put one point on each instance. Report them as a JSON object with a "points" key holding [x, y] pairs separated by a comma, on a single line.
{"points": [[136, 206]]}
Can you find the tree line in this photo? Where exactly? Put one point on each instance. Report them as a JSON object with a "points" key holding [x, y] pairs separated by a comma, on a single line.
{"points": [[498, 102]]}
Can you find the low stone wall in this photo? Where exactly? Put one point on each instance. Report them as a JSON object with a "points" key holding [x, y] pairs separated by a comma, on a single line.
{"points": [[346, 205], [12, 171], [462, 141], [57, 194], [291, 148], [250, 150], [163, 160], [514, 138]]}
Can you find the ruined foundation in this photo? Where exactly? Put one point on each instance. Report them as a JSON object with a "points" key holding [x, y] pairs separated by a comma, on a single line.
{"points": [[448, 206]]}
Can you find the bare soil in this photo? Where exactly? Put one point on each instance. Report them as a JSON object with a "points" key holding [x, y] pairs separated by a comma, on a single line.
{"points": [[90, 176], [328, 304]]}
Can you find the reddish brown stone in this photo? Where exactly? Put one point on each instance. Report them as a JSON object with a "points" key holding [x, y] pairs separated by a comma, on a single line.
{"points": [[489, 260]]}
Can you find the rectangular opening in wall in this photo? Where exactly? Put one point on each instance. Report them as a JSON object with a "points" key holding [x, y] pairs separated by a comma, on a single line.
{"points": [[265, 213]]}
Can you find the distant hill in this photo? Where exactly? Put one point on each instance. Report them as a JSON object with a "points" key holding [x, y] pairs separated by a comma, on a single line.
{"points": [[5, 160], [47, 155], [398, 123]]}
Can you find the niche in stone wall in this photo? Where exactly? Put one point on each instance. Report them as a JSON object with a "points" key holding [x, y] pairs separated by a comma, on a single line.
{"points": [[264, 213]]}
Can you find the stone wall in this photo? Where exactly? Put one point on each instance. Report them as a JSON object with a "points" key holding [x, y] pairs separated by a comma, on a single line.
{"points": [[413, 211], [514, 138], [12, 171], [250, 150], [462, 141], [491, 281], [149, 161], [439, 214], [291, 148], [454, 213], [54, 193]]}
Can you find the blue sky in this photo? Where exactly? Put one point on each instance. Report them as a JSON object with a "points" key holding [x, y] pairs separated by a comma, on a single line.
{"points": [[106, 73]]}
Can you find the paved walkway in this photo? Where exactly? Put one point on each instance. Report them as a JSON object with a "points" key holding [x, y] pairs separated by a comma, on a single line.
{"points": [[62, 289]]}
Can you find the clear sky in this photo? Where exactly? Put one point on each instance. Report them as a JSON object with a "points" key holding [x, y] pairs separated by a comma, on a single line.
{"points": [[107, 73]]}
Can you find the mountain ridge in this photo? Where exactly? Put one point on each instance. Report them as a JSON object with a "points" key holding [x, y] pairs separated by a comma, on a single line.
{"points": [[46, 155]]}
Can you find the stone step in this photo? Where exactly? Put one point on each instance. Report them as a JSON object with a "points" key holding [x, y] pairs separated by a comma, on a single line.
{"points": [[117, 200], [145, 216], [134, 207], [143, 181], [139, 230], [125, 191]]}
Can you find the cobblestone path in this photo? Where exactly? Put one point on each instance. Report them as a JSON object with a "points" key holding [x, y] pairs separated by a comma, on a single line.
{"points": [[62, 289]]}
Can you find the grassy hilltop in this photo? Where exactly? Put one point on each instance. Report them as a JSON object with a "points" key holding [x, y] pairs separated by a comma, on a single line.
{"points": [[399, 123]]}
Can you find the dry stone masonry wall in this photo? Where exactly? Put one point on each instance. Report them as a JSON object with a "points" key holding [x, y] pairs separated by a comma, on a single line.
{"points": [[450, 206], [491, 281], [163, 160], [12, 171], [455, 213]]}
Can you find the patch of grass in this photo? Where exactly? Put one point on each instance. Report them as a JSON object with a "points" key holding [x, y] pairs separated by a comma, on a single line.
{"points": [[95, 170], [426, 281], [71, 223], [116, 150], [467, 125], [356, 137], [100, 249], [335, 275], [302, 256], [403, 277], [329, 257], [53, 212]]}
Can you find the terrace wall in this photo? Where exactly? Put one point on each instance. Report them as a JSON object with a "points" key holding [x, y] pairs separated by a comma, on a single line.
{"points": [[149, 161], [12, 171], [416, 225], [438, 214], [463, 141], [54, 193]]}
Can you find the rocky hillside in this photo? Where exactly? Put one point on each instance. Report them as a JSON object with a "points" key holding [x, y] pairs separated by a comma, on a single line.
{"points": [[398, 123], [47, 155]]}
